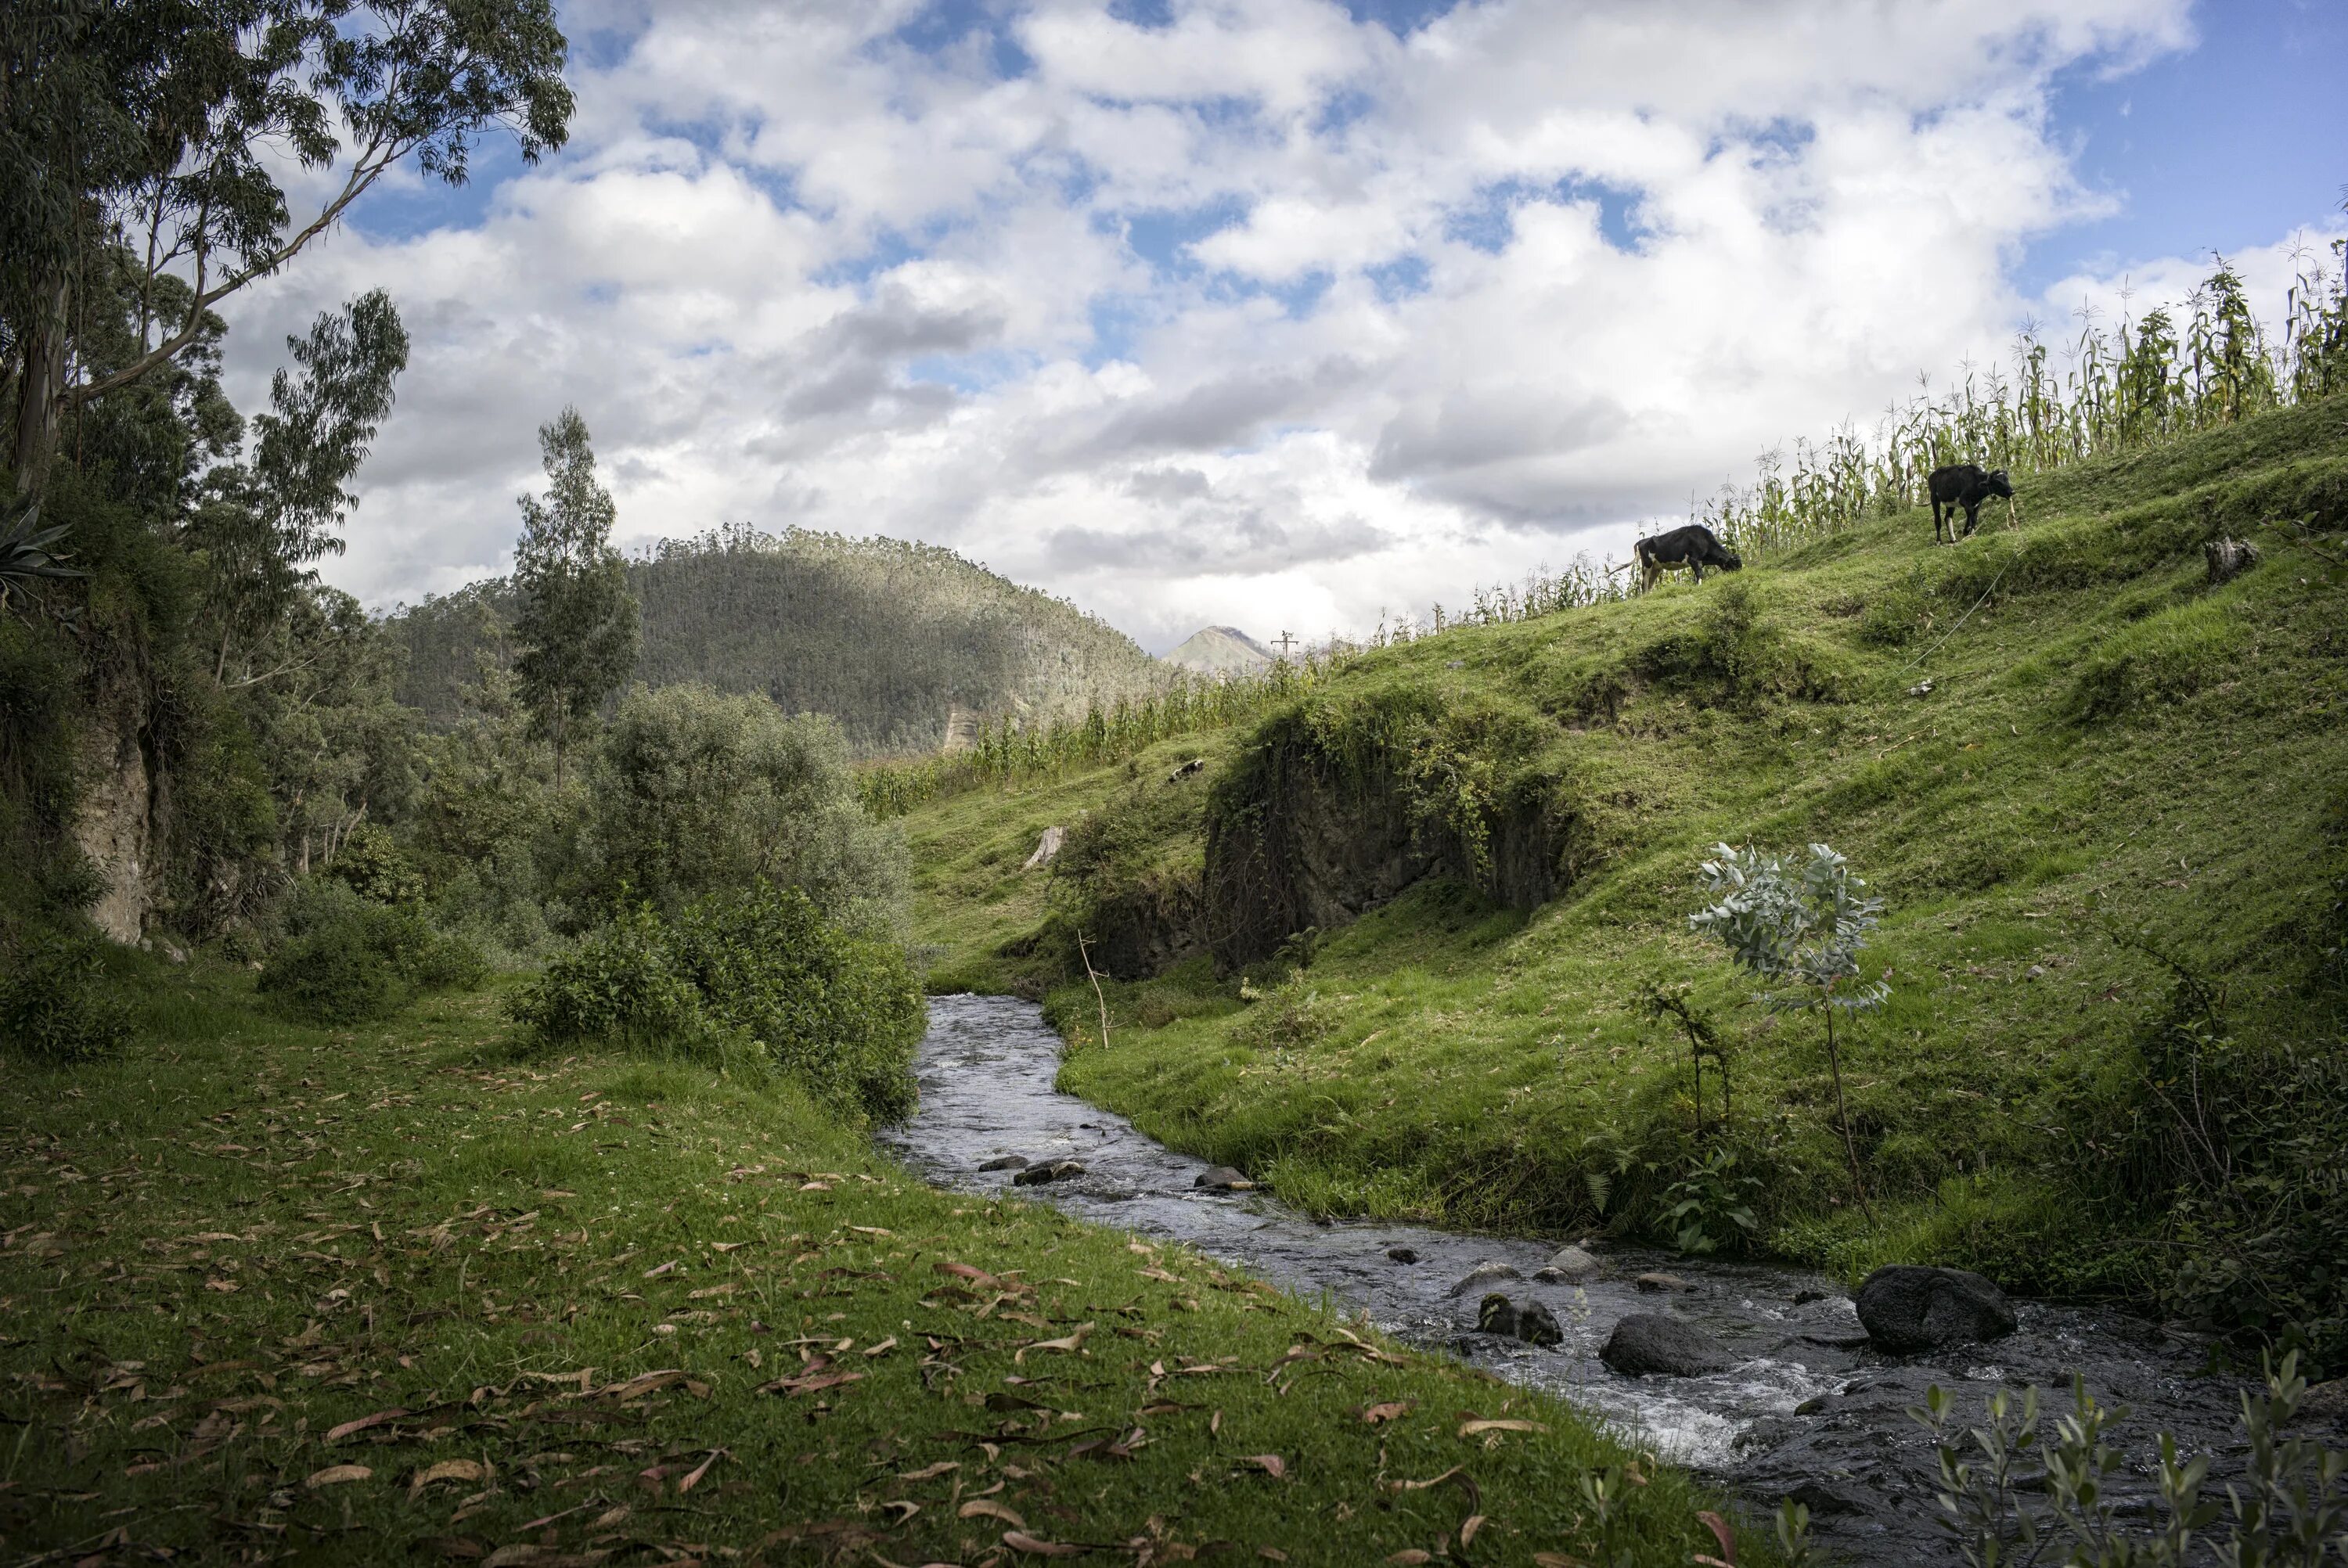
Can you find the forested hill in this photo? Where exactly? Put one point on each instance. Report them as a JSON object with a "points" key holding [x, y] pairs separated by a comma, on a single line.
{"points": [[885, 636]]}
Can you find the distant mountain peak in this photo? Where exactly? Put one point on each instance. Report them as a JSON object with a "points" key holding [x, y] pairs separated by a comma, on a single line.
{"points": [[1219, 651]]}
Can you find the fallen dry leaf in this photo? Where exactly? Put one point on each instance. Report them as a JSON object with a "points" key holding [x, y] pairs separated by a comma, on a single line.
{"points": [[1470, 1429], [663, 1268], [1020, 1541], [932, 1471], [1068, 1345], [336, 1475], [1410, 1554], [643, 1383], [987, 1508], [693, 1478], [883, 1348], [1557, 1559], [448, 1470], [348, 1428], [1271, 1465], [1391, 1410], [1468, 1528], [1720, 1532]]}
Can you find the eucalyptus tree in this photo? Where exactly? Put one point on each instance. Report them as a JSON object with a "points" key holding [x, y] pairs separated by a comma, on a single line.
{"points": [[1798, 929], [148, 134], [578, 627]]}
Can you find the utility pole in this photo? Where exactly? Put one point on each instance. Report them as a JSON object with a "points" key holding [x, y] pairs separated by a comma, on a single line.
{"points": [[1286, 641]]}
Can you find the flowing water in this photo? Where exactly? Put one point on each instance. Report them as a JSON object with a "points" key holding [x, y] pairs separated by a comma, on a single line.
{"points": [[1811, 1412]]}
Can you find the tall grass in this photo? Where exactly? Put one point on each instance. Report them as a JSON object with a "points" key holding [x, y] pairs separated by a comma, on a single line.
{"points": [[2143, 384]]}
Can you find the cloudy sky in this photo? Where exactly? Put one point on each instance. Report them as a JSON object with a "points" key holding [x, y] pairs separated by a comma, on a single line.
{"points": [[1279, 312]]}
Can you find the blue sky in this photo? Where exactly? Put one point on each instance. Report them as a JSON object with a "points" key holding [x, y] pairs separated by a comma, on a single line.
{"points": [[2219, 146], [1246, 311]]}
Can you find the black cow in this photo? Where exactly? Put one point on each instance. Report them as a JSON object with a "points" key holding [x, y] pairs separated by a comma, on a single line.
{"points": [[1966, 484], [1694, 546]]}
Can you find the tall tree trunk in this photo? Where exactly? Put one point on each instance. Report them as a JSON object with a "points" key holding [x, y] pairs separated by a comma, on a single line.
{"points": [[34, 436]]}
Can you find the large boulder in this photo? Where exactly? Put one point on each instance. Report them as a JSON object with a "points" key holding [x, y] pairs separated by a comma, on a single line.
{"points": [[1908, 1307], [1648, 1344]]}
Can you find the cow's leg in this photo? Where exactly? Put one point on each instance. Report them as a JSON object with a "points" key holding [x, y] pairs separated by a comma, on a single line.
{"points": [[1972, 517], [1936, 519], [1697, 566], [1648, 572]]}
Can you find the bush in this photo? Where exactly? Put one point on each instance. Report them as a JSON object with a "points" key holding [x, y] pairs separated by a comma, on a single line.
{"points": [[349, 961], [697, 793], [765, 973], [375, 867], [56, 1003]]}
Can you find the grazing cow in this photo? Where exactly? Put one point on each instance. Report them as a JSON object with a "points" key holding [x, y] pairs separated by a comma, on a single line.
{"points": [[1966, 484], [1694, 546]]}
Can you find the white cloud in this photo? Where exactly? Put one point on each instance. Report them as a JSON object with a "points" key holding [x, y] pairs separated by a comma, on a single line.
{"points": [[1265, 316]]}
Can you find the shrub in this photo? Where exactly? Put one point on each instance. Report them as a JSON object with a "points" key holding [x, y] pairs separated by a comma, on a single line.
{"points": [[698, 792], [765, 973], [56, 1003], [348, 961], [372, 864], [621, 983]]}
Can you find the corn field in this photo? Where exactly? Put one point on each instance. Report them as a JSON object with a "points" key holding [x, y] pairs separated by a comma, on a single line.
{"points": [[2142, 384]]}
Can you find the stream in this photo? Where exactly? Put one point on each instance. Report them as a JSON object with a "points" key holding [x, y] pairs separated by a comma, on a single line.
{"points": [[1812, 1411]]}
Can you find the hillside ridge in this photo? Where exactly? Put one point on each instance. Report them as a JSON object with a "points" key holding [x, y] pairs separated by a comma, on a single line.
{"points": [[887, 636], [1395, 951]]}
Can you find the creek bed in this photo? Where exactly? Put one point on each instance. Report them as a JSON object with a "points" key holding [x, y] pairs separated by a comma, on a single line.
{"points": [[1811, 1410]]}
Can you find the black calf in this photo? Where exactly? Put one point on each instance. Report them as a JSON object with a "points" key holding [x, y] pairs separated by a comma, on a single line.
{"points": [[1965, 484], [1694, 546]]}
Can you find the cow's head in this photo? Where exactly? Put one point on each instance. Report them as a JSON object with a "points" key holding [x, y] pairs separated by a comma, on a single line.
{"points": [[1730, 560], [1999, 485]]}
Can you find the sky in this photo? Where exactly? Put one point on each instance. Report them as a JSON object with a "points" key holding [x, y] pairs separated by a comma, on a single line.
{"points": [[1282, 314]]}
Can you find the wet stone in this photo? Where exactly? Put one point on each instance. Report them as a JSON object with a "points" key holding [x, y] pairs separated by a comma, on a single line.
{"points": [[1531, 1322], [1485, 1274], [1907, 1307], [1819, 1498], [1005, 1162], [1049, 1171], [1569, 1265], [1648, 1344], [1657, 1283], [1402, 1255], [1223, 1179]]}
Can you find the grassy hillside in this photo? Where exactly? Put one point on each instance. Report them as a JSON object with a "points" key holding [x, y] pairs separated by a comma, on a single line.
{"points": [[356, 1296], [2110, 831], [885, 636]]}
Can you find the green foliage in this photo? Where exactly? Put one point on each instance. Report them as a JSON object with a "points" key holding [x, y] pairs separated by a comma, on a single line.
{"points": [[577, 627], [697, 793], [2289, 1511], [763, 973], [1797, 926], [57, 1004], [1712, 1206], [349, 961], [372, 864]]}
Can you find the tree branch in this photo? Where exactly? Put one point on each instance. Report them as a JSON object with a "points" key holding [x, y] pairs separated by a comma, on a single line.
{"points": [[363, 174]]}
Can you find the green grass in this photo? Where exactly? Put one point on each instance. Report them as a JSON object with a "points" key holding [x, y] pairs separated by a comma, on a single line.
{"points": [[593, 1306], [2103, 728]]}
